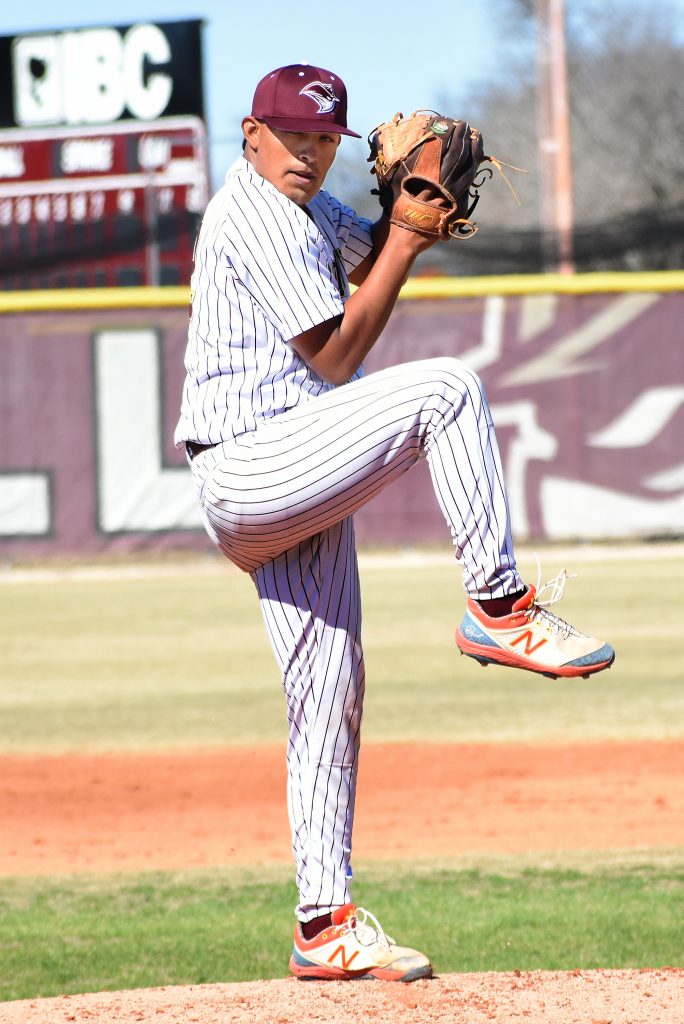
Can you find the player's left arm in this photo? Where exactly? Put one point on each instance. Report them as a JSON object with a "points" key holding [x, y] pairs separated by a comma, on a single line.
{"points": [[335, 348], [379, 233]]}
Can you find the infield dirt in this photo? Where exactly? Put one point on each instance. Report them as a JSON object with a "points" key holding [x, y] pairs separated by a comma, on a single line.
{"points": [[130, 812], [205, 808]]}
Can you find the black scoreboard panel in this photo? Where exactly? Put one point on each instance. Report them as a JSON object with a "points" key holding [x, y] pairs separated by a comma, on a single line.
{"points": [[106, 206]]}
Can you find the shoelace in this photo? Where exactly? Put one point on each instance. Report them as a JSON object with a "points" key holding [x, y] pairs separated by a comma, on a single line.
{"points": [[367, 928], [539, 609]]}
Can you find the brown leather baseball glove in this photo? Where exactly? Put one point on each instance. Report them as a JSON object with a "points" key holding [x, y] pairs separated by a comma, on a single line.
{"points": [[427, 167]]}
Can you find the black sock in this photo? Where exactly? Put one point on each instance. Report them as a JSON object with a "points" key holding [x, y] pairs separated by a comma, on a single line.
{"points": [[310, 929], [496, 607]]}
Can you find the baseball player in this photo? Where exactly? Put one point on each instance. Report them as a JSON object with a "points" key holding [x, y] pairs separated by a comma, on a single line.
{"points": [[286, 439]]}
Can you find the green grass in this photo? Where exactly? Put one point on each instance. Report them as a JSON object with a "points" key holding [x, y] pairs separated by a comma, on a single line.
{"points": [[181, 660], [60, 936]]}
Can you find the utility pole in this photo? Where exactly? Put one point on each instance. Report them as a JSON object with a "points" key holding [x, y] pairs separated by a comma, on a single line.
{"points": [[555, 166]]}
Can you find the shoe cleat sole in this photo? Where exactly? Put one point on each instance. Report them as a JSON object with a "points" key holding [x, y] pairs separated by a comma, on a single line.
{"points": [[484, 661], [317, 972]]}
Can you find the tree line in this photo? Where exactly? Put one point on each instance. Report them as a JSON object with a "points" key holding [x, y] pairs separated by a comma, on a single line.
{"points": [[625, 63]]}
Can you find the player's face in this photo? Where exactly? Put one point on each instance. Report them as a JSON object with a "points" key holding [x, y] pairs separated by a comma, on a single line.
{"points": [[295, 162]]}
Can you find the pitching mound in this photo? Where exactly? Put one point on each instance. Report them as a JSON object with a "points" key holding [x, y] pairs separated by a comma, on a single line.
{"points": [[577, 997], [117, 812]]}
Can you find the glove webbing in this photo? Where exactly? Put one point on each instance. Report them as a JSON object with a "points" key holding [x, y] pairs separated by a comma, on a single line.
{"points": [[434, 218]]}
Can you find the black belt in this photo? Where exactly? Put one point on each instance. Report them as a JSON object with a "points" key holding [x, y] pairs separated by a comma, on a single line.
{"points": [[193, 448]]}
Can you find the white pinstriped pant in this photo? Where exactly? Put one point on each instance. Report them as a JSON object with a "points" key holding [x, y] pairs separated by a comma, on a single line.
{"points": [[278, 502]]}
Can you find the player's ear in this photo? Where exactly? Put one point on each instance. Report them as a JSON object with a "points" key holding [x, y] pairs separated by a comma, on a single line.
{"points": [[250, 129]]}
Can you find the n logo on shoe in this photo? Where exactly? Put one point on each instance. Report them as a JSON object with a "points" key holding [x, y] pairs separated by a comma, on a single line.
{"points": [[346, 964], [527, 638]]}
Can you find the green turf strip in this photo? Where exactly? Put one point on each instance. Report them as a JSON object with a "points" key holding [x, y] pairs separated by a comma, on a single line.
{"points": [[81, 934], [182, 660]]}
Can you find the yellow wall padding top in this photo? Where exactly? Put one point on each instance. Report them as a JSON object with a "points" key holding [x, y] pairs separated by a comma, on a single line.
{"points": [[415, 288]]}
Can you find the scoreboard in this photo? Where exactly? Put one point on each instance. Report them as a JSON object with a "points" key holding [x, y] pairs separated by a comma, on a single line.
{"points": [[103, 205]]}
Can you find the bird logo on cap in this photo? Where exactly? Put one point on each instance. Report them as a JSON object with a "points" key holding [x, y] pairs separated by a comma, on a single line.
{"points": [[323, 94]]}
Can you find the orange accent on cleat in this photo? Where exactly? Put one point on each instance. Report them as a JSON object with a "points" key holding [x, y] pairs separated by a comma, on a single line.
{"points": [[532, 638], [354, 948]]}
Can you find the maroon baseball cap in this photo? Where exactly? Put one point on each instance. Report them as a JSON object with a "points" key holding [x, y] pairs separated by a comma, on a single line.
{"points": [[302, 98]]}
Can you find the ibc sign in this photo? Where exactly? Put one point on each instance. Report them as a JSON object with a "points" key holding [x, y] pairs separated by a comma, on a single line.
{"points": [[95, 76]]}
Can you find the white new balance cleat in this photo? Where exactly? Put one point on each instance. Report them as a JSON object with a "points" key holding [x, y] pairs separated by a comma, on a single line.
{"points": [[354, 948], [532, 637]]}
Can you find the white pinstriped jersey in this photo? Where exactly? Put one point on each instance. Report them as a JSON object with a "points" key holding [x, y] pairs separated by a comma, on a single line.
{"points": [[280, 500], [265, 271]]}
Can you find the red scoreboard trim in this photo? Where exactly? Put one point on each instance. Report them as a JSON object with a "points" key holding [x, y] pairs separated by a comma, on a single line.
{"points": [[101, 205]]}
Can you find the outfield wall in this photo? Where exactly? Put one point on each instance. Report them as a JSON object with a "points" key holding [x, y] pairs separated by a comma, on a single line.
{"points": [[585, 375]]}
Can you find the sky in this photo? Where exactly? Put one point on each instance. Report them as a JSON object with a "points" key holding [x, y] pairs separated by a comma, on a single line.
{"points": [[365, 43], [387, 58]]}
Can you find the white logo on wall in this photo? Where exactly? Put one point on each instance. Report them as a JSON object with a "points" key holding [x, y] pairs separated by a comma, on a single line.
{"points": [[90, 76]]}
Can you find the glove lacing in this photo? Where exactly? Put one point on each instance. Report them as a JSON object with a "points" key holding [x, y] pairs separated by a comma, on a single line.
{"points": [[499, 164]]}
